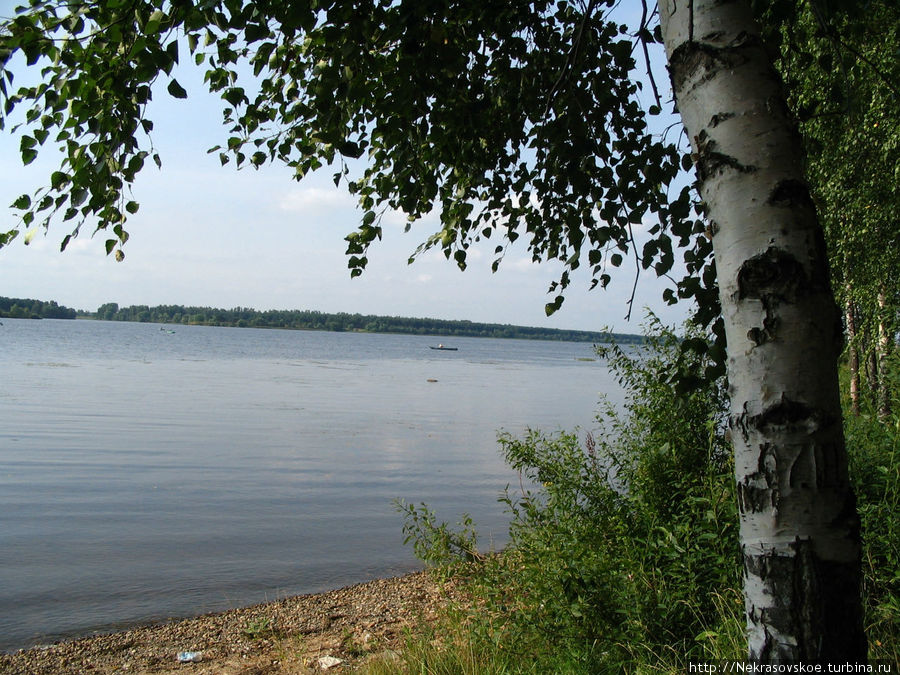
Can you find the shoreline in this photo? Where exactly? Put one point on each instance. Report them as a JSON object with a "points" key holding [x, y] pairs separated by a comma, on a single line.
{"points": [[284, 637]]}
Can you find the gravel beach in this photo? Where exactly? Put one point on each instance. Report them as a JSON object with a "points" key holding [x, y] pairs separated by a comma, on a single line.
{"points": [[331, 631]]}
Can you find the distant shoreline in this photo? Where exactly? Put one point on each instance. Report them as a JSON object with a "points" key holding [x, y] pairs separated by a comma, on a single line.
{"points": [[341, 322]]}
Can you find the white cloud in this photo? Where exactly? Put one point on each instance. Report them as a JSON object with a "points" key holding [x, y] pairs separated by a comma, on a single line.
{"points": [[521, 265], [305, 199]]}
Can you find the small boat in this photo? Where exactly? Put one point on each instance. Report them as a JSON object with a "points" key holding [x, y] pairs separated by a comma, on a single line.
{"points": [[445, 349]]}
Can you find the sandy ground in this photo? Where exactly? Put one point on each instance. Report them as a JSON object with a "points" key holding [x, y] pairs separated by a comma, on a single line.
{"points": [[303, 634]]}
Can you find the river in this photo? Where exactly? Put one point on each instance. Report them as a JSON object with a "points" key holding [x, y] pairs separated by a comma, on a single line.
{"points": [[149, 472]]}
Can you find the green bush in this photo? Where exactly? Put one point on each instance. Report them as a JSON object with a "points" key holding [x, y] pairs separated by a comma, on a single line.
{"points": [[623, 548], [627, 543], [438, 544], [624, 553]]}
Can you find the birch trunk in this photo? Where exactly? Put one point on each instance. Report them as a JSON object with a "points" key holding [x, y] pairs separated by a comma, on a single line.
{"points": [[852, 352], [799, 526], [884, 394], [872, 376]]}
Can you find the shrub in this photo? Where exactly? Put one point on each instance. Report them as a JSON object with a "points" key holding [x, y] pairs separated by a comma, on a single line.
{"points": [[624, 553], [623, 546], [626, 545]]}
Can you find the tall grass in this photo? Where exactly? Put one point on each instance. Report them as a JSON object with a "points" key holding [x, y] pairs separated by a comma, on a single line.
{"points": [[873, 445]]}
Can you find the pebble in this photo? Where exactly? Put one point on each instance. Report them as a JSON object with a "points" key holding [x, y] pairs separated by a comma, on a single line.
{"points": [[299, 630]]}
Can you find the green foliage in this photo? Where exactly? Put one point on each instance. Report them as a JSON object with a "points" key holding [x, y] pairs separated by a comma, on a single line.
{"points": [[437, 544], [874, 449], [260, 628], [843, 81], [636, 530], [448, 650], [623, 548], [510, 120], [624, 554]]}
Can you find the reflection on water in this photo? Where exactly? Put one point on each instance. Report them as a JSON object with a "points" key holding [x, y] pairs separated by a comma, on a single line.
{"points": [[146, 474]]}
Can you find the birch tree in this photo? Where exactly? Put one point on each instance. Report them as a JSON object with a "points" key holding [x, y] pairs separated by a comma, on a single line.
{"points": [[799, 528], [512, 121]]}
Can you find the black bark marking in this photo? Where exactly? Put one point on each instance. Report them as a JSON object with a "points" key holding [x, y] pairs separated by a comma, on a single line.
{"points": [[790, 417], [791, 193], [784, 413], [773, 278], [756, 336], [739, 422], [692, 57], [776, 277], [785, 417], [718, 118], [712, 37], [759, 336], [758, 491], [710, 162]]}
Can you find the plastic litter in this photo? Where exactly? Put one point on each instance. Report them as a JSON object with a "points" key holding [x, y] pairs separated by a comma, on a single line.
{"points": [[326, 662], [189, 657]]}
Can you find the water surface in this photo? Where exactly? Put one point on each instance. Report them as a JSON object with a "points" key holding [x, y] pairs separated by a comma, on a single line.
{"points": [[146, 474]]}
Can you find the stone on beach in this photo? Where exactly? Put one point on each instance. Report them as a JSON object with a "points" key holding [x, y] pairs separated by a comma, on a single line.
{"points": [[302, 631]]}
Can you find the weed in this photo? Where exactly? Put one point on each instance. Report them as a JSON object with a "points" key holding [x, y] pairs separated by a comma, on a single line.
{"points": [[439, 545], [258, 629]]}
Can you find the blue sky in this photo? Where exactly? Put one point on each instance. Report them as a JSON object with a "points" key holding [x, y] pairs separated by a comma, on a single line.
{"points": [[213, 236]]}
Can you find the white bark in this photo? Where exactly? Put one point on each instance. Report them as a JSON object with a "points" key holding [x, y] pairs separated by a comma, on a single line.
{"points": [[884, 394], [799, 528], [853, 351]]}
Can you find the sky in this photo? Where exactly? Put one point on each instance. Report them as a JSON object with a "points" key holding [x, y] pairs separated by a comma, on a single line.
{"points": [[208, 235]]}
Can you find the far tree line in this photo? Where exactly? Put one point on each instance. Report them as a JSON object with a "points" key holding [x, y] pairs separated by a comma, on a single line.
{"points": [[245, 317], [18, 308]]}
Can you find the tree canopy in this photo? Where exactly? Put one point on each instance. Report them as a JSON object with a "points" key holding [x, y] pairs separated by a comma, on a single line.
{"points": [[509, 120], [341, 321]]}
